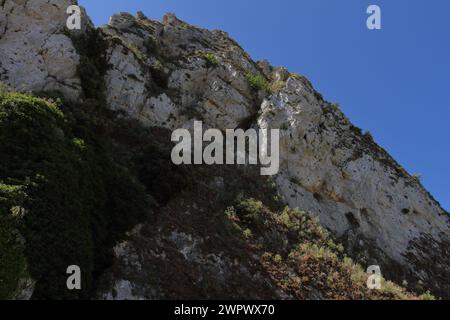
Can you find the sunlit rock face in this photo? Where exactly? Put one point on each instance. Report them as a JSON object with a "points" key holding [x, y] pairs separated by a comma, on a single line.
{"points": [[356, 189], [327, 166], [36, 55], [168, 74], [160, 75]]}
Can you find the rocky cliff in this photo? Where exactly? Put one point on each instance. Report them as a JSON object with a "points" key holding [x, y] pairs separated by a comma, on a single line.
{"points": [[167, 74]]}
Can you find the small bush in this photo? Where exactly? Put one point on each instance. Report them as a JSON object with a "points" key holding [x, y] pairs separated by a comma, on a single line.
{"points": [[79, 143], [248, 210], [3, 89], [151, 46], [211, 60], [427, 296], [417, 177], [247, 233], [257, 82]]}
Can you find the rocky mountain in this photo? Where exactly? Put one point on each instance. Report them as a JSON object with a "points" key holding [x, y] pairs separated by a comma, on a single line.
{"points": [[155, 230]]}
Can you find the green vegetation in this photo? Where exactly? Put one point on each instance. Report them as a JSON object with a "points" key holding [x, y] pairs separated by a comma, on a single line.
{"points": [[248, 210], [63, 198], [416, 177], [68, 189], [68, 186], [211, 60], [3, 89], [69, 192], [257, 82], [301, 257], [151, 46], [12, 257], [91, 46]]}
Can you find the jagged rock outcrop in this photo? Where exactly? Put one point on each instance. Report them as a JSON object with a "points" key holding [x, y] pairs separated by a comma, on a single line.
{"points": [[166, 74], [35, 52], [357, 190], [160, 75]]}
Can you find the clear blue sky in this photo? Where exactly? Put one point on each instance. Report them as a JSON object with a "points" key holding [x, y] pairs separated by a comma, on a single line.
{"points": [[394, 82]]}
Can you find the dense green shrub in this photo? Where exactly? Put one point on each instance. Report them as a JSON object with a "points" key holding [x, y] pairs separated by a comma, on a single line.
{"points": [[35, 153], [91, 47], [248, 210], [257, 82], [151, 46], [75, 166], [78, 201], [211, 60], [12, 257]]}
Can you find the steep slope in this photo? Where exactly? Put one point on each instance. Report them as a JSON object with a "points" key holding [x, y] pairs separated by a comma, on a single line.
{"points": [[166, 74], [382, 214]]}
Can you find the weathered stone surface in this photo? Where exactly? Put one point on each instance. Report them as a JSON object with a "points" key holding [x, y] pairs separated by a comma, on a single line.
{"points": [[160, 74], [189, 88], [35, 53], [328, 168], [353, 186], [25, 289]]}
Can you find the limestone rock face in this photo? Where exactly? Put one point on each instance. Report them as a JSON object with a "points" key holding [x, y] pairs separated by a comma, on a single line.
{"points": [[356, 189], [167, 74], [35, 53], [160, 73]]}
